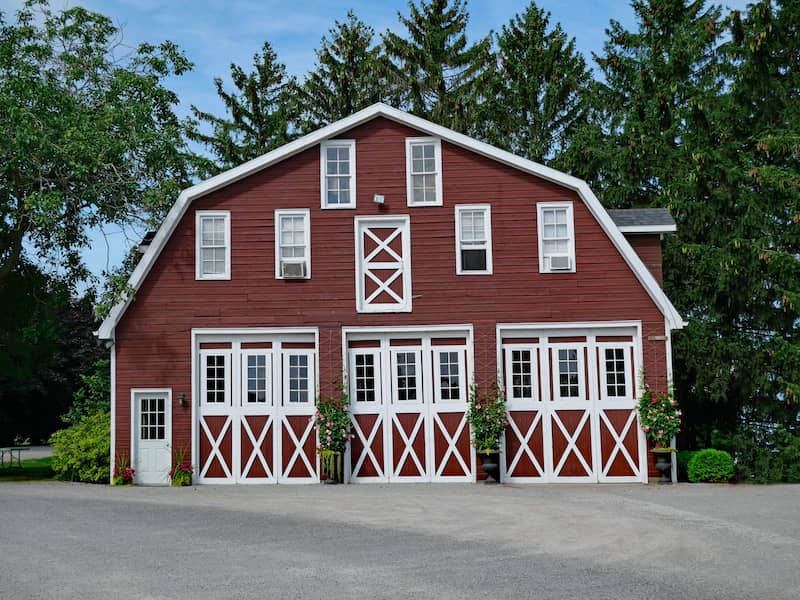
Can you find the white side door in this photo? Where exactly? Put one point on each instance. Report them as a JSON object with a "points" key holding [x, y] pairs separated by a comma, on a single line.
{"points": [[152, 455]]}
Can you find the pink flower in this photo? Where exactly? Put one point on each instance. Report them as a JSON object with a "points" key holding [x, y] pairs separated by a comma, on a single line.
{"points": [[477, 407], [646, 428], [344, 435]]}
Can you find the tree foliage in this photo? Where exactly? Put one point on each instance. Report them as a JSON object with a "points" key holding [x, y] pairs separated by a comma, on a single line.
{"points": [[350, 74], [88, 134], [439, 75], [259, 113], [538, 92]]}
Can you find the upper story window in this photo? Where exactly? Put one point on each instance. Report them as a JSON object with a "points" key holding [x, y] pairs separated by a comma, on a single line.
{"points": [[292, 244], [556, 237], [424, 171], [338, 173], [213, 247], [473, 239]]}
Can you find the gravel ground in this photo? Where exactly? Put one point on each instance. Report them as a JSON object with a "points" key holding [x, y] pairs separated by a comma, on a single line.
{"points": [[400, 541]]}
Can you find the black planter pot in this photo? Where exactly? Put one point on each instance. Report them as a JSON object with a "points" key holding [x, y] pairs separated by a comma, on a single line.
{"points": [[490, 463], [664, 466]]}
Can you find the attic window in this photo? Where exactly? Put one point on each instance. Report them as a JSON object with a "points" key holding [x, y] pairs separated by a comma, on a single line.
{"points": [[213, 247], [556, 237], [424, 171], [338, 173]]}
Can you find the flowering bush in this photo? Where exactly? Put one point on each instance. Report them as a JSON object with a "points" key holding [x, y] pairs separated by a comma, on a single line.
{"points": [[659, 416], [123, 472], [181, 471], [332, 422], [487, 418]]}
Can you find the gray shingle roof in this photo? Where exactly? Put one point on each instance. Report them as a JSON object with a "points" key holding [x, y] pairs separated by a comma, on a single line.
{"points": [[643, 220]]}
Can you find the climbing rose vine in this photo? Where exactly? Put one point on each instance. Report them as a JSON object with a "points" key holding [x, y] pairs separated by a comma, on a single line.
{"points": [[659, 416], [487, 418]]}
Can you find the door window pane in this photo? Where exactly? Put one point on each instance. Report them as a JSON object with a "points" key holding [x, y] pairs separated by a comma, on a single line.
{"points": [[568, 382], [152, 413], [298, 378], [257, 378], [615, 372], [365, 377], [406, 376], [521, 376], [215, 378], [449, 376]]}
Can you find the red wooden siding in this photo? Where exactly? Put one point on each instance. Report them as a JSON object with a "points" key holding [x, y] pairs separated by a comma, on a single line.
{"points": [[153, 341], [648, 247]]}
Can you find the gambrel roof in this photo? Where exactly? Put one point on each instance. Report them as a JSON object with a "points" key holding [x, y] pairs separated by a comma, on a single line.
{"points": [[672, 318]]}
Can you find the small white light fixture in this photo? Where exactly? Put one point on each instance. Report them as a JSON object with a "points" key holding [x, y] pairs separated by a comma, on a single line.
{"points": [[377, 199]]}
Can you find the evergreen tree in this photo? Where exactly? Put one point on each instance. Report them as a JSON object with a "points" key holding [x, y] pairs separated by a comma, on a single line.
{"points": [[349, 75], [438, 75], [258, 113], [537, 93]]}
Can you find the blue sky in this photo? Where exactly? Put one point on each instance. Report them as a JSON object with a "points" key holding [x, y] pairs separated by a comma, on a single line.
{"points": [[214, 34]]}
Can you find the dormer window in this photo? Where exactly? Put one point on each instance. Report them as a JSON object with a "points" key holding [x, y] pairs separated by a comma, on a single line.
{"points": [[338, 173], [213, 244], [556, 237], [424, 171]]}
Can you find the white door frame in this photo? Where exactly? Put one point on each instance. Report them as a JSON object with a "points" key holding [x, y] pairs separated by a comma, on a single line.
{"points": [[166, 393]]}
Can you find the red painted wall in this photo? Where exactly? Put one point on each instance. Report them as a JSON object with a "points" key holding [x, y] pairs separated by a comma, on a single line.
{"points": [[153, 341], [648, 247]]}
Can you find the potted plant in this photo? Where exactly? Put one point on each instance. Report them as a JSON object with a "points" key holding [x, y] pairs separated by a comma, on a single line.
{"points": [[487, 418], [123, 471], [660, 419], [332, 422], [181, 471]]}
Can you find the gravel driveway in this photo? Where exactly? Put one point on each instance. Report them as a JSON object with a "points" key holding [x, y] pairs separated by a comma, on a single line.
{"points": [[400, 541]]}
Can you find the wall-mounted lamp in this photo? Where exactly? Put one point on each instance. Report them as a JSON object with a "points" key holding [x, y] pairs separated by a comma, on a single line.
{"points": [[181, 398], [377, 199]]}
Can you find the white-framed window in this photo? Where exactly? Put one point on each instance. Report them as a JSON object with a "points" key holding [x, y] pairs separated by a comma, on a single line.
{"points": [[292, 244], [215, 378], [556, 237], [365, 384], [257, 377], [520, 367], [473, 239], [299, 369], [424, 171], [213, 244], [338, 173], [614, 373], [449, 371], [568, 384], [406, 376]]}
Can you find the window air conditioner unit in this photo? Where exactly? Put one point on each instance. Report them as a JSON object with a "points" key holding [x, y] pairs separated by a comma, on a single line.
{"points": [[560, 263], [293, 270]]}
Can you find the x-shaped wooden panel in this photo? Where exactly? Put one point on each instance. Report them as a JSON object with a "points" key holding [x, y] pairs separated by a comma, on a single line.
{"points": [[298, 447], [215, 447], [619, 443], [451, 445], [408, 444], [366, 442], [524, 441], [572, 443], [257, 452]]}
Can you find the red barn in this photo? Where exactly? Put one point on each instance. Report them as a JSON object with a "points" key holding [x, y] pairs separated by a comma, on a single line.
{"points": [[406, 260]]}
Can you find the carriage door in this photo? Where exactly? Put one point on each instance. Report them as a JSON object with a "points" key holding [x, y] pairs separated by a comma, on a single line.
{"points": [[367, 414], [216, 420], [256, 419], [298, 441], [407, 416], [450, 447]]}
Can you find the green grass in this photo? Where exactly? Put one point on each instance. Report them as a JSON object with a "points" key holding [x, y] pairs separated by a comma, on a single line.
{"points": [[33, 469]]}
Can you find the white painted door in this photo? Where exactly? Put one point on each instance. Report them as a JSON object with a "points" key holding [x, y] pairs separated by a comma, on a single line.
{"points": [[407, 417], [153, 456]]}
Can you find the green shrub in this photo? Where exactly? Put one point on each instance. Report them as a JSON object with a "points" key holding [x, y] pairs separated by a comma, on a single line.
{"points": [[81, 452], [94, 395], [763, 455], [711, 465]]}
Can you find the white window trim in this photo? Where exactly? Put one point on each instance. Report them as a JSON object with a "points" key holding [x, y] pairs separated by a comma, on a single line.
{"points": [[488, 227], [437, 375], [540, 207], [437, 154], [323, 182], [363, 405], [627, 348], [199, 215], [298, 408], [292, 212], [555, 373], [245, 354], [519, 401], [210, 406]]}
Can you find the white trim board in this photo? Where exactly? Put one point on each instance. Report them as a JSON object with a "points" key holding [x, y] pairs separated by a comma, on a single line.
{"points": [[674, 320]]}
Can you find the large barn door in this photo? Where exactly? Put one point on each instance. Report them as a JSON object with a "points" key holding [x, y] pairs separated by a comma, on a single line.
{"points": [[407, 416], [216, 421], [525, 447], [256, 418], [383, 264], [367, 414], [450, 448], [298, 441]]}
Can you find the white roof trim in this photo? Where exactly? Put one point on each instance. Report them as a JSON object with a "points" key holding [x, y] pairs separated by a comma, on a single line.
{"points": [[382, 110], [648, 228]]}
